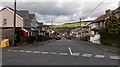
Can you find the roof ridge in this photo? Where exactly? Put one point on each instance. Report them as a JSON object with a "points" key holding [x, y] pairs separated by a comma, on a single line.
{"points": [[22, 10]]}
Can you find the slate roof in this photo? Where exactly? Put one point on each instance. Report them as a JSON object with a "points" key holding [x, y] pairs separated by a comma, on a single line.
{"points": [[87, 25], [117, 10], [32, 16], [101, 18], [22, 13]]}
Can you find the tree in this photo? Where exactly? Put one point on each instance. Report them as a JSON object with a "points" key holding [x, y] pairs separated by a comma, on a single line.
{"points": [[110, 34], [112, 24]]}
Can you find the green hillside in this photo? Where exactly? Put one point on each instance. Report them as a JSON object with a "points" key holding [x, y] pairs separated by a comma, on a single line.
{"points": [[69, 25]]}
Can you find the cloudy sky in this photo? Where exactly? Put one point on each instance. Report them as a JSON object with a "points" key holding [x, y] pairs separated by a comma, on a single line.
{"points": [[64, 11]]}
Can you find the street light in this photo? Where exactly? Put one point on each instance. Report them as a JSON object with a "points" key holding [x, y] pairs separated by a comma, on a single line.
{"points": [[14, 24]]}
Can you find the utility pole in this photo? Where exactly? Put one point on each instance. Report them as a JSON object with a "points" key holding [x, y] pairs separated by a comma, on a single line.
{"points": [[80, 29], [14, 24], [52, 22]]}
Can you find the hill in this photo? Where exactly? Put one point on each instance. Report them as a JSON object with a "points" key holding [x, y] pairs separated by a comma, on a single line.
{"points": [[69, 25]]}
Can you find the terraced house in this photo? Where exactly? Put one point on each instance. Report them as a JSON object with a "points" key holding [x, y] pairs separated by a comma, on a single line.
{"points": [[23, 23]]}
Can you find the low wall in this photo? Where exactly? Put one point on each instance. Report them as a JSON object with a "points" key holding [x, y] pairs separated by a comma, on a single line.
{"points": [[7, 33]]}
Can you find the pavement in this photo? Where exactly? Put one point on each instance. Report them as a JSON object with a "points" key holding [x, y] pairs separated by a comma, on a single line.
{"points": [[113, 49], [58, 52], [27, 46]]}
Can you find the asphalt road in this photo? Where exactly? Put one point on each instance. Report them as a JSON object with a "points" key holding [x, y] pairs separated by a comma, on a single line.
{"points": [[59, 52]]}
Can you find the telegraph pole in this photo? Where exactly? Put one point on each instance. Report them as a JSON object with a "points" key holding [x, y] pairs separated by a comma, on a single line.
{"points": [[52, 22], [14, 24], [80, 28]]}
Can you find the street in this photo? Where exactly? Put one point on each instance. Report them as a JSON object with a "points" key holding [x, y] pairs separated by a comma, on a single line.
{"points": [[59, 52]]}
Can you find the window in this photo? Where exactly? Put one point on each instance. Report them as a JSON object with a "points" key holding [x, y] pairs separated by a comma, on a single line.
{"points": [[4, 22]]}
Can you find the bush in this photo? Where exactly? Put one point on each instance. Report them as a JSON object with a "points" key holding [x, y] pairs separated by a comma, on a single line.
{"points": [[106, 42], [30, 39], [110, 34], [42, 38], [108, 39], [110, 42]]}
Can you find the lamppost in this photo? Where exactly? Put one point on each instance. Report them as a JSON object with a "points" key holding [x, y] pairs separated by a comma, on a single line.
{"points": [[14, 24]]}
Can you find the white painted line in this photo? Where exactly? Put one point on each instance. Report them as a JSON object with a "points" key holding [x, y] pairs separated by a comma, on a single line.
{"points": [[28, 51], [44, 52], [87, 55], [63, 54], [21, 51], [37, 52], [15, 50], [9, 50], [115, 57], [70, 50], [99, 56], [53, 53], [75, 54]]}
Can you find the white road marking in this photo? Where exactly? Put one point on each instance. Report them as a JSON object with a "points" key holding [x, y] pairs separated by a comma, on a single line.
{"points": [[115, 57], [63, 54], [70, 50], [99, 56], [44, 52], [15, 50], [21, 51], [37, 52], [9, 50], [75, 54], [87, 55], [28, 51], [53, 53]]}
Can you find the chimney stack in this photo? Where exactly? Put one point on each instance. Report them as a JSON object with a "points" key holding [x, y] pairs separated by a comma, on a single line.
{"points": [[108, 11]]}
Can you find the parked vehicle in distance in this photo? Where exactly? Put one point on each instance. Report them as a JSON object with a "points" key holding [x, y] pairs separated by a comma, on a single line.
{"points": [[57, 37], [67, 37]]}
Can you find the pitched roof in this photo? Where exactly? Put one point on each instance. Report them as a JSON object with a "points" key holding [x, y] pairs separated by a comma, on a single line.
{"points": [[117, 10], [32, 16], [86, 25], [101, 18], [7, 7], [22, 13], [11, 10]]}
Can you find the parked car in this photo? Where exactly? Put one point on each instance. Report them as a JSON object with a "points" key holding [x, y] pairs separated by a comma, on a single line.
{"points": [[57, 37], [67, 37]]}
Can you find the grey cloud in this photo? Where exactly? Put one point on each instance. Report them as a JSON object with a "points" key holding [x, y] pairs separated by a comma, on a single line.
{"points": [[47, 10]]}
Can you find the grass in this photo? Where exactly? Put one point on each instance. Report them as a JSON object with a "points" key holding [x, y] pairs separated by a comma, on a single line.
{"points": [[110, 42], [69, 25]]}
